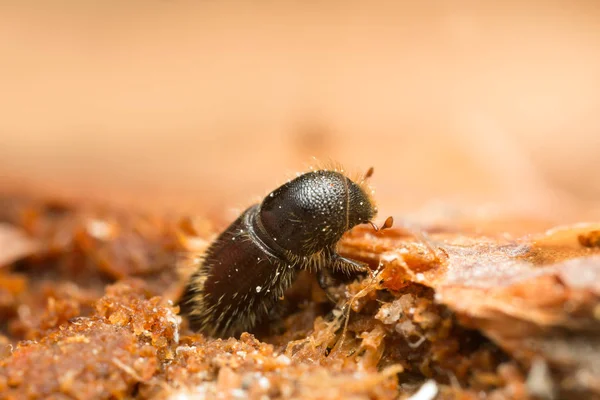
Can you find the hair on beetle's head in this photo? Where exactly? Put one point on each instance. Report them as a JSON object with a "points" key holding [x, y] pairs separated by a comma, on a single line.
{"points": [[313, 211]]}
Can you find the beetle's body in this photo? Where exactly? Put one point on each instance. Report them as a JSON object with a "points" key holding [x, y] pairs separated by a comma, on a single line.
{"points": [[250, 265]]}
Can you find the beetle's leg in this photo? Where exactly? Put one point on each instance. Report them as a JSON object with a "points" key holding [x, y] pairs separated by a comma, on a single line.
{"points": [[349, 267], [342, 270], [329, 283], [326, 279]]}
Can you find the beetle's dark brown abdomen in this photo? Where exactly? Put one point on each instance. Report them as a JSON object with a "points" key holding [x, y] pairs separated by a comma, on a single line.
{"points": [[238, 282]]}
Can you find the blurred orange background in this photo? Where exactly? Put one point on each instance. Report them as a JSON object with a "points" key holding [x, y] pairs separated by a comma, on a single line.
{"points": [[211, 104]]}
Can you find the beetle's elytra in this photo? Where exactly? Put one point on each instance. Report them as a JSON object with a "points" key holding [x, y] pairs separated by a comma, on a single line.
{"points": [[250, 265]]}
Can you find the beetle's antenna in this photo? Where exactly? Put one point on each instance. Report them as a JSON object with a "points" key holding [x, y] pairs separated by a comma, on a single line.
{"points": [[389, 222], [375, 227], [369, 173]]}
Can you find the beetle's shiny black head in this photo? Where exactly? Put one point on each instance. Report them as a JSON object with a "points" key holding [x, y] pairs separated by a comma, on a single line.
{"points": [[312, 212]]}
